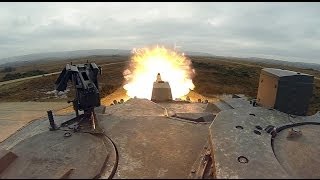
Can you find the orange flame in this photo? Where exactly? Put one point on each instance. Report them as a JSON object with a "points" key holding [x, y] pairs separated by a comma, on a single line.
{"points": [[146, 63]]}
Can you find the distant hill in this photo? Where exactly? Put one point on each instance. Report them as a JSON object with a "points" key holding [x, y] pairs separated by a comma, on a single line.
{"points": [[303, 65], [191, 53], [267, 61], [73, 54], [62, 55], [15, 60]]}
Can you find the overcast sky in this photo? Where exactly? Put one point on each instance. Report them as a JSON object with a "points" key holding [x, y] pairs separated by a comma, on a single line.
{"points": [[285, 31]]}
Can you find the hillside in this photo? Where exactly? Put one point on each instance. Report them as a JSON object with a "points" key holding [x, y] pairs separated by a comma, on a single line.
{"points": [[25, 59], [214, 76], [55, 56]]}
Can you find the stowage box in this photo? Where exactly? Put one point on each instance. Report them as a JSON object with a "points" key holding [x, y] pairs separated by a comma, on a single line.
{"points": [[286, 91]]}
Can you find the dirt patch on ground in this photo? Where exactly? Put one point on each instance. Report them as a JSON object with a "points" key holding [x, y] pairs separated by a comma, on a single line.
{"points": [[14, 115]]}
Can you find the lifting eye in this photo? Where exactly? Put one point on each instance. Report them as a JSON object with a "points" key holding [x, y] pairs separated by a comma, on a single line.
{"points": [[243, 159]]}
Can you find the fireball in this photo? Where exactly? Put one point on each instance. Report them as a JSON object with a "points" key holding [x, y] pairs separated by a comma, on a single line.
{"points": [[146, 63]]}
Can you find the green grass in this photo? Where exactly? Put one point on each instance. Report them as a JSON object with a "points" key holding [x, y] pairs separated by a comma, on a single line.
{"points": [[12, 76]]}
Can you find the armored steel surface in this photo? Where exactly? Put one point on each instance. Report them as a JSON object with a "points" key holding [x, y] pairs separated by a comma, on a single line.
{"points": [[161, 91], [197, 117], [300, 156], [51, 155], [180, 107], [151, 145], [33, 142], [237, 102], [241, 147]]}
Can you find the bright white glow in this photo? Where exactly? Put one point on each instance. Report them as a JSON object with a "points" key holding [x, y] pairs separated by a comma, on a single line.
{"points": [[147, 63]]}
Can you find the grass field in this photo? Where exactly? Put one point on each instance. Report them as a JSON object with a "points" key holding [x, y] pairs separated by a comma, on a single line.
{"points": [[58, 65], [214, 76], [35, 89]]}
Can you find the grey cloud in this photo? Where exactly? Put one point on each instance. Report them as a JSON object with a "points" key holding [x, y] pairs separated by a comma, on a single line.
{"points": [[286, 30]]}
